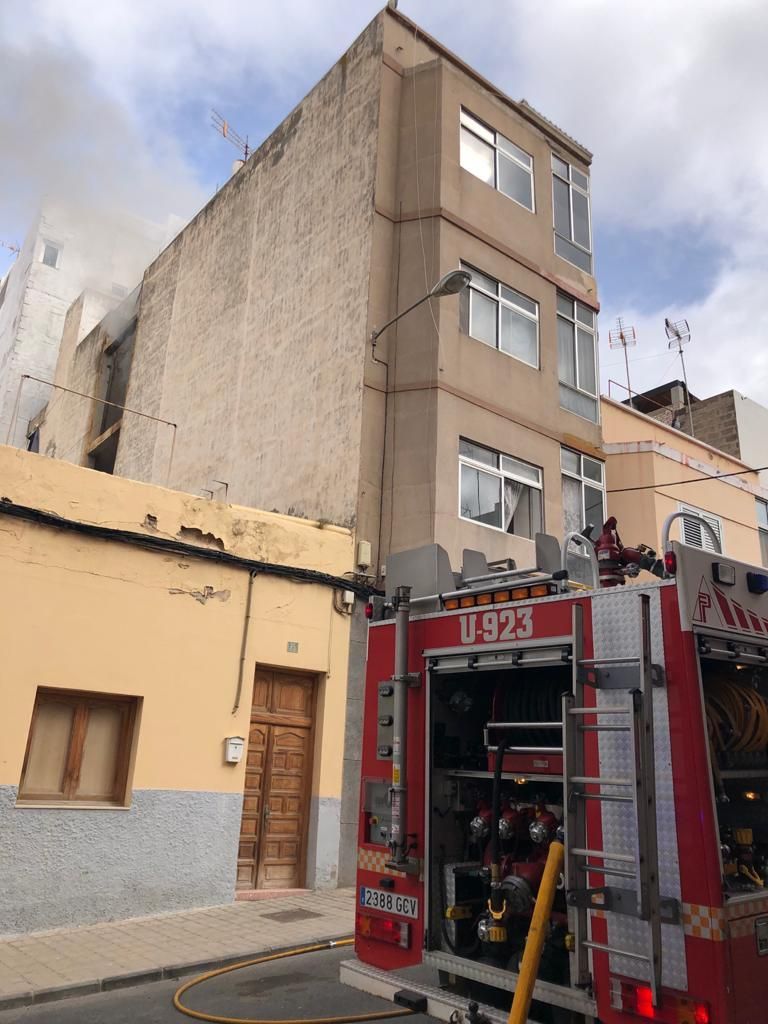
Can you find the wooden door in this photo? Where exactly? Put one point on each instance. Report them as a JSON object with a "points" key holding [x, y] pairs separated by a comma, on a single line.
{"points": [[278, 780]]}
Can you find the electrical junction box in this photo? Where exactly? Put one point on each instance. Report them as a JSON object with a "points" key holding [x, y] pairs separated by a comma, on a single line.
{"points": [[378, 812], [364, 554], [233, 749]]}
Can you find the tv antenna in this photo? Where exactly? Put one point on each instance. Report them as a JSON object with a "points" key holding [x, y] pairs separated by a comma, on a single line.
{"points": [[225, 128], [622, 337], [11, 246], [679, 334]]}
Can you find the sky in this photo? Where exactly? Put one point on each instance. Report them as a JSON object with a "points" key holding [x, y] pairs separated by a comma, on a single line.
{"points": [[109, 103]]}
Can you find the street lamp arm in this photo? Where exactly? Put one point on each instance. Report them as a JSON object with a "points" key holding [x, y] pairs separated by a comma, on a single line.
{"points": [[451, 283], [380, 330]]}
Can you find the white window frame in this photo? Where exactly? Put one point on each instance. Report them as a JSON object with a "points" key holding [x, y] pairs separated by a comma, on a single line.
{"points": [[54, 245], [583, 479], [557, 173], [714, 521], [590, 329], [762, 529], [501, 474], [491, 137], [502, 302]]}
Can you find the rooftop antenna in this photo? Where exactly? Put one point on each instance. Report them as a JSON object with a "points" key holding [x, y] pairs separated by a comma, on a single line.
{"points": [[622, 337], [679, 334], [225, 128], [11, 246]]}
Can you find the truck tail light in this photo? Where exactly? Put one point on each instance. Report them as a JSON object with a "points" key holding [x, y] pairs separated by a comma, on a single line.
{"points": [[397, 933], [637, 1000]]}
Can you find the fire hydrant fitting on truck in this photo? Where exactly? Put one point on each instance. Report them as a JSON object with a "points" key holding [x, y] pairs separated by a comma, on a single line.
{"points": [[506, 710]]}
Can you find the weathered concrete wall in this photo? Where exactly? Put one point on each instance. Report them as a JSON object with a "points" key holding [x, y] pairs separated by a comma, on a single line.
{"points": [[96, 252], [252, 323], [714, 423], [86, 613], [68, 418]]}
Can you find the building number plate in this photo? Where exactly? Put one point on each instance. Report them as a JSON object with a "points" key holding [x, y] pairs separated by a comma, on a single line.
{"points": [[391, 902]]}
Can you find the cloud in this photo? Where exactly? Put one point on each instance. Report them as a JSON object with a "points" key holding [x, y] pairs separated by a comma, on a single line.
{"points": [[156, 53], [669, 97]]}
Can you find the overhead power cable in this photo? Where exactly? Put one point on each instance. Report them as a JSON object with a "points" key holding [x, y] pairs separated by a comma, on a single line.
{"points": [[690, 480], [300, 575]]}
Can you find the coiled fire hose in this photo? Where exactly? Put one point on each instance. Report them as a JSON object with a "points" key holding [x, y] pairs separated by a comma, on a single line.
{"points": [[737, 717], [216, 1019], [737, 721]]}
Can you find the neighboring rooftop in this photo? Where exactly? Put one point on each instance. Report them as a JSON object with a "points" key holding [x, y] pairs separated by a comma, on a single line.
{"points": [[658, 398]]}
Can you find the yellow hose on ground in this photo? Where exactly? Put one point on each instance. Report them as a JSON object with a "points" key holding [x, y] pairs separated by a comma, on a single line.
{"points": [[215, 1019], [537, 933]]}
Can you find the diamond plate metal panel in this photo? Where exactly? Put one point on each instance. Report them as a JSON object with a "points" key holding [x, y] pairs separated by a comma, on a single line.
{"points": [[449, 881], [616, 630]]}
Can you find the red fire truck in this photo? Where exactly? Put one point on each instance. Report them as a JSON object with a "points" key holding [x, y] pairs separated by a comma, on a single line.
{"points": [[508, 707]]}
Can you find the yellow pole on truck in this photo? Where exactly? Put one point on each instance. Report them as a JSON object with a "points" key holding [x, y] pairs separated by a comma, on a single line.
{"points": [[537, 933]]}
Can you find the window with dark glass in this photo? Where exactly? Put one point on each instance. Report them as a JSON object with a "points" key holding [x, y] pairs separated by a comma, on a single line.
{"points": [[577, 357], [496, 160], [499, 490], [501, 317], [762, 527], [570, 200], [50, 256], [583, 481]]}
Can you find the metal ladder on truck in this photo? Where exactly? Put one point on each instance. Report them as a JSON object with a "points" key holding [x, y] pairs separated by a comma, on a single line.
{"points": [[634, 786]]}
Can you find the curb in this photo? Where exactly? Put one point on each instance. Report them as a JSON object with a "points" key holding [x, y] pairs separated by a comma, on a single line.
{"points": [[113, 982]]}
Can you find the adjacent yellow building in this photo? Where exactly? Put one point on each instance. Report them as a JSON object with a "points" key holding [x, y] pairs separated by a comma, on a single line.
{"points": [[173, 697], [645, 464]]}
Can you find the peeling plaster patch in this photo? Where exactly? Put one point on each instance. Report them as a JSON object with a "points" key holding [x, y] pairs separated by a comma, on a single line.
{"points": [[206, 594], [193, 535], [150, 521]]}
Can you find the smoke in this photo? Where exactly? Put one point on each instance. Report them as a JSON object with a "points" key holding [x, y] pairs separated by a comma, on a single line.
{"points": [[66, 141]]}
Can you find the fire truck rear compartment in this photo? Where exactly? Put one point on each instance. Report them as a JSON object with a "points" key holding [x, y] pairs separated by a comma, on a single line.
{"points": [[463, 927], [736, 707]]}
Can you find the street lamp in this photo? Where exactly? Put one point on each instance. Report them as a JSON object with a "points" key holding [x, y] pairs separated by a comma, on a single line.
{"points": [[452, 283]]}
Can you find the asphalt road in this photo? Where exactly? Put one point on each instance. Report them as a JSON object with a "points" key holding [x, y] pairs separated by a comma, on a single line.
{"points": [[299, 987]]}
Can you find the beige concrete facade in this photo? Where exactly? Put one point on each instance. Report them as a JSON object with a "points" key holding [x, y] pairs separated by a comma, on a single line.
{"points": [[106, 615], [644, 453], [253, 327]]}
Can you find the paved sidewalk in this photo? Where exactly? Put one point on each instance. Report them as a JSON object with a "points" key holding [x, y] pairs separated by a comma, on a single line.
{"points": [[77, 961]]}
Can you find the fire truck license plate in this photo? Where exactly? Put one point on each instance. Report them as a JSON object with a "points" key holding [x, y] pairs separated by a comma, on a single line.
{"points": [[378, 899]]}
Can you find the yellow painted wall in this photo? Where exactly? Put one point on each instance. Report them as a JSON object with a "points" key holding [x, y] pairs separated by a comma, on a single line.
{"points": [[83, 613], [641, 513]]}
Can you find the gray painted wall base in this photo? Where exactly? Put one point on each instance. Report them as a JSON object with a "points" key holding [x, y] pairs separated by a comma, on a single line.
{"points": [[170, 850], [323, 852], [353, 746]]}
